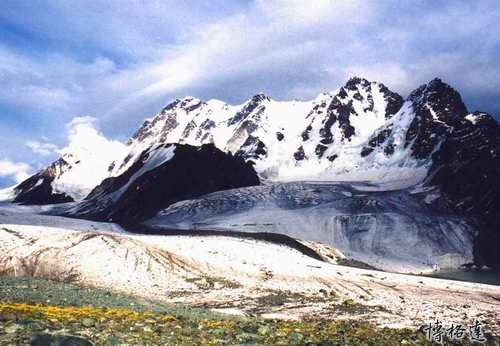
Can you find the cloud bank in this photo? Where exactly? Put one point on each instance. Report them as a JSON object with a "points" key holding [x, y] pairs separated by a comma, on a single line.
{"points": [[87, 142], [83, 139], [16, 171]]}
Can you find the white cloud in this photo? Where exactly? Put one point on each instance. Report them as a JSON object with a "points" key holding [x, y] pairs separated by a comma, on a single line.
{"points": [[91, 155], [85, 143], [271, 42], [299, 13], [85, 140], [42, 148], [18, 171]]}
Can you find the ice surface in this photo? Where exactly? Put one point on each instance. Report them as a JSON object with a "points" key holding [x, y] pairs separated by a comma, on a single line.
{"points": [[391, 230], [32, 217]]}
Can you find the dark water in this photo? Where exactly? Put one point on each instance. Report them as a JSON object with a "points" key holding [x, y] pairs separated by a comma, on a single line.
{"points": [[482, 276]]}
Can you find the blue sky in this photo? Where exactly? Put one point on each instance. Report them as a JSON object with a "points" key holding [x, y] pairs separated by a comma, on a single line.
{"points": [[119, 61]]}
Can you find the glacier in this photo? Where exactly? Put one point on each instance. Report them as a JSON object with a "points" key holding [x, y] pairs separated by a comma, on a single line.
{"points": [[390, 230]]}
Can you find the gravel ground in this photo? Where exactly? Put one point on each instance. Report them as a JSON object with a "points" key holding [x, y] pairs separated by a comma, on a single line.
{"points": [[41, 312]]}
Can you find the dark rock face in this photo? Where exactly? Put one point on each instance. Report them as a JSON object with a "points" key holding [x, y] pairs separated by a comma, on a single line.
{"points": [[378, 140], [306, 132], [144, 131], [248, 120], [438, 108], [394, 101], [205, 127], [189, 128], [253, 104], [467, 170], [338, 112], [332, 158], [366, 151], [192, 172], [299, 155], [192, 107], [253, 148], [37, 190], [320, 150], [172, 105]]}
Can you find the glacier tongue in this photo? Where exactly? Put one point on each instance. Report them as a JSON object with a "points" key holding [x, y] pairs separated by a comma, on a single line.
{"points": [[391, 230]]}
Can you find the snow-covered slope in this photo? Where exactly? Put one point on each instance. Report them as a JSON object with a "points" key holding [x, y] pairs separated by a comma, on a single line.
{"points": [[7, 194], [320, 139]]}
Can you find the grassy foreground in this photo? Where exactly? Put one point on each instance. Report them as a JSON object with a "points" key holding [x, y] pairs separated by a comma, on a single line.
{"points": [[41, 312]]}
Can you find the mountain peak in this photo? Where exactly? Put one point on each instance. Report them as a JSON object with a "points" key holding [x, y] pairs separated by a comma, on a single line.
{"points": [[436, 85], [260, 97], [354, 82], [441, 97], [437, 82], [190, 103], [185, 102], [171, 105], [438, 109]]}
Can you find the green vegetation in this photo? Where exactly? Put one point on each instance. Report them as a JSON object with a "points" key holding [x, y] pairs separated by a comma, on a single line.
{"points": [[45, 311], [280, 297], [210, 282]]}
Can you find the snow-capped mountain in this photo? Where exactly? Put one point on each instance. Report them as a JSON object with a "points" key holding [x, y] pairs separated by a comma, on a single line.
{"points": [[429, 145], [69, 178], [39, 188], [362, 131], [318, 139]]}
